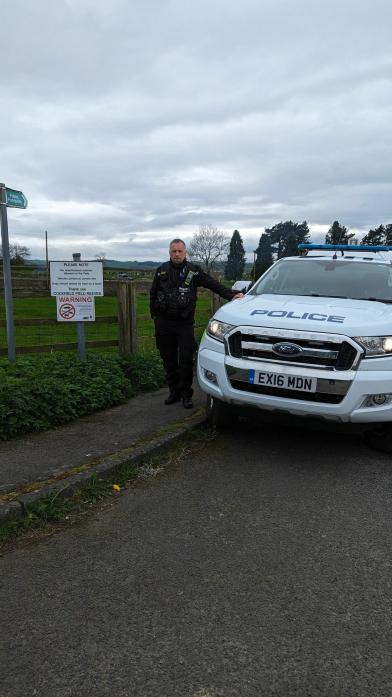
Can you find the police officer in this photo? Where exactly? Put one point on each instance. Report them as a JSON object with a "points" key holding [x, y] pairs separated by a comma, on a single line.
{"points": [[173, 298]]}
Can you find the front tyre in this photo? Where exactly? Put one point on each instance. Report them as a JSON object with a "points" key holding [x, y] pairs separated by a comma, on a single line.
{"points": [[380, 437], [220, 414]]}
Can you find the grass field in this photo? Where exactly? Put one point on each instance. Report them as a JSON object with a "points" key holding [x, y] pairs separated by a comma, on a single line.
{"points": [[45, 307]]}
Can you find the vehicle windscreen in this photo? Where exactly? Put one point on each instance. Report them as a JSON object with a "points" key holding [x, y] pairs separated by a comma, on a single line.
{"points": [[328, 278]]}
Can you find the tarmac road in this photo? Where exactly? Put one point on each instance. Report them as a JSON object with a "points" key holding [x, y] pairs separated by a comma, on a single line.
{"points": [[260, 567]]}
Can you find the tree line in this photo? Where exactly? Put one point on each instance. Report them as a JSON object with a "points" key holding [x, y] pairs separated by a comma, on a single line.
{"points": [[211, 247]]}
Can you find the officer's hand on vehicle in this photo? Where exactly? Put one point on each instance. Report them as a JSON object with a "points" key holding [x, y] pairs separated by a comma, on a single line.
{"points": [[237, 296]]}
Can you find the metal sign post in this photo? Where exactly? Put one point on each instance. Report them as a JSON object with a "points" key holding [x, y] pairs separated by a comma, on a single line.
{"points": [[9, 313], [80, 325], [81, 340]]}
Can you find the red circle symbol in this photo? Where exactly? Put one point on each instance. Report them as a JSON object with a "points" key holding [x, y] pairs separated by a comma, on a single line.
{"points": [[67, 311]]}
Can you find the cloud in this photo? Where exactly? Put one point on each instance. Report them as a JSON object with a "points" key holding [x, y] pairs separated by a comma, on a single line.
{"points": [[125, 122]]}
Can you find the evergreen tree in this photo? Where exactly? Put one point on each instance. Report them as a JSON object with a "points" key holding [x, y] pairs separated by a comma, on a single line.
{"points": [[291, 246], [376, 236], [338, 234], [285, 237], [263, 255], [235, 264], [388, 234]]}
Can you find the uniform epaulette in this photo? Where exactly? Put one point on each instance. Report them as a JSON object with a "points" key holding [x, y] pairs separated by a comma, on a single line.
{"points": [[163, 269]]}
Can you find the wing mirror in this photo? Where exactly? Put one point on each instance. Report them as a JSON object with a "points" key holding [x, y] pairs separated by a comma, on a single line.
{"points": [[241, 286]]}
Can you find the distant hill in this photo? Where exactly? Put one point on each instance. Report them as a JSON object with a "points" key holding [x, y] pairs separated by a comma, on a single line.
{"points": [[113, 264]]}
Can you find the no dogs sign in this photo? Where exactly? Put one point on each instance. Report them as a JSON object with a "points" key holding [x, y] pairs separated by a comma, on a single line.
{"points": [[75, 308]]}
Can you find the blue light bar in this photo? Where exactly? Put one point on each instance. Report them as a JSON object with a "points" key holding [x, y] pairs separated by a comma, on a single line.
{"points": [[348, 247]]}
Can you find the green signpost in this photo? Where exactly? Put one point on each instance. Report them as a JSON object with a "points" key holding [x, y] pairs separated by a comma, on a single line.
{"points": [[9, 198], [15, 199]]}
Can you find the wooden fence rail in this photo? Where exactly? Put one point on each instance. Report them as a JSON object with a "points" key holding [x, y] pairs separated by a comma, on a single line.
{"points": [[126, 320], [59, 346]]}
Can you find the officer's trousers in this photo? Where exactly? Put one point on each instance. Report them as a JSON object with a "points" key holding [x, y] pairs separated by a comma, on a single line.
{"points": [[176, 344]]}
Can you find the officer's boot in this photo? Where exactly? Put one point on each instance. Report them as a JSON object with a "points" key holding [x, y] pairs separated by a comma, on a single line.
{"points": [[172, 398]]}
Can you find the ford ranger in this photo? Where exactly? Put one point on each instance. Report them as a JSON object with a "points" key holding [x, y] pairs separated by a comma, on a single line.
{"points": [[311, 338]]}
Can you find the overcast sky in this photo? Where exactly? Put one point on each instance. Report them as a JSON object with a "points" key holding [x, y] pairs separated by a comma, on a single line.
{"points": [[129, 122]]}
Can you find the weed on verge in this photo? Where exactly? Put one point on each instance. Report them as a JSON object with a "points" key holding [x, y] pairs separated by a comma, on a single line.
{"points": [[56, 511]]}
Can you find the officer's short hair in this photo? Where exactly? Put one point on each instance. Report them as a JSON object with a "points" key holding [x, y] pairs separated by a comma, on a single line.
{"points": [[177, 241]]}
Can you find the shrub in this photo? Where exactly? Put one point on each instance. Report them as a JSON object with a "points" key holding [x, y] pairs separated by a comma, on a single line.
{"points": [[144, 370], [46, 391]]}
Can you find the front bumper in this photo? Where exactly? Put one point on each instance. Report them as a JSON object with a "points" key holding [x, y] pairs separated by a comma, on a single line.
{"points": [[351, 387]]}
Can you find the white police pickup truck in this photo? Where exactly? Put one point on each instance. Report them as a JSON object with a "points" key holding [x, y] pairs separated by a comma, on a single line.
{"points": [[312, 338]]}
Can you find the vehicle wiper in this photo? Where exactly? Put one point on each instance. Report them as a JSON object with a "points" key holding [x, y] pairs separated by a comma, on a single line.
{"points": [[320, 295], [377, 300]]}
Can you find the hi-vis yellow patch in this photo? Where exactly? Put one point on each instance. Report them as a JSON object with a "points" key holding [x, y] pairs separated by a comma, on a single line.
{"points": [[189, 276]]}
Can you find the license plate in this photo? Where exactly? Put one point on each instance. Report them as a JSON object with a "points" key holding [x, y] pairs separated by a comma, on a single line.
{"points": [[285, 382]]}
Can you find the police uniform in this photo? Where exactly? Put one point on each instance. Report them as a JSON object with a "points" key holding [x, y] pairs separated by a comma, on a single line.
{"points": [[173, 297]]}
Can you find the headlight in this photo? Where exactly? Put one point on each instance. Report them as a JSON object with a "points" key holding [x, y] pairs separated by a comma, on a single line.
{"points": [[375, 345], [218, 329]]}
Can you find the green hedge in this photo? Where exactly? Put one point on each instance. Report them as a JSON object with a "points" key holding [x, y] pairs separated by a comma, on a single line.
{"points": [[46, 391]]}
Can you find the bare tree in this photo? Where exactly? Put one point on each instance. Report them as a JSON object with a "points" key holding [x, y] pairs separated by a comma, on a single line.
{"points": [[101, 256], [18, 253], [208, 246]]}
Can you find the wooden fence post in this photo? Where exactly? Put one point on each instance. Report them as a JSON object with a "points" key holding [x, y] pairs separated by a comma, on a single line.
{"points": [[133, 315], [124, 318], [215, 303], [127, 338]]}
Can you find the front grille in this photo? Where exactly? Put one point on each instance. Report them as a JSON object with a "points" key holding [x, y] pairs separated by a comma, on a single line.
{"points": [[323, 397], [346, 357], [315, 353]]}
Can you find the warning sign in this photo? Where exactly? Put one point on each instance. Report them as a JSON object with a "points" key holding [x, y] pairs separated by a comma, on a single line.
{"points": [[75, 308]]}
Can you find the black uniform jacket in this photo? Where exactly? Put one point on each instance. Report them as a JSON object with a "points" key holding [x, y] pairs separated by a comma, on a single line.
{"points": [[173, 292]]}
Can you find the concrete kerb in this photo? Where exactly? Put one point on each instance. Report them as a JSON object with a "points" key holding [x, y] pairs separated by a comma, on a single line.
{"points": [[11, 510], [19, 507]]}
